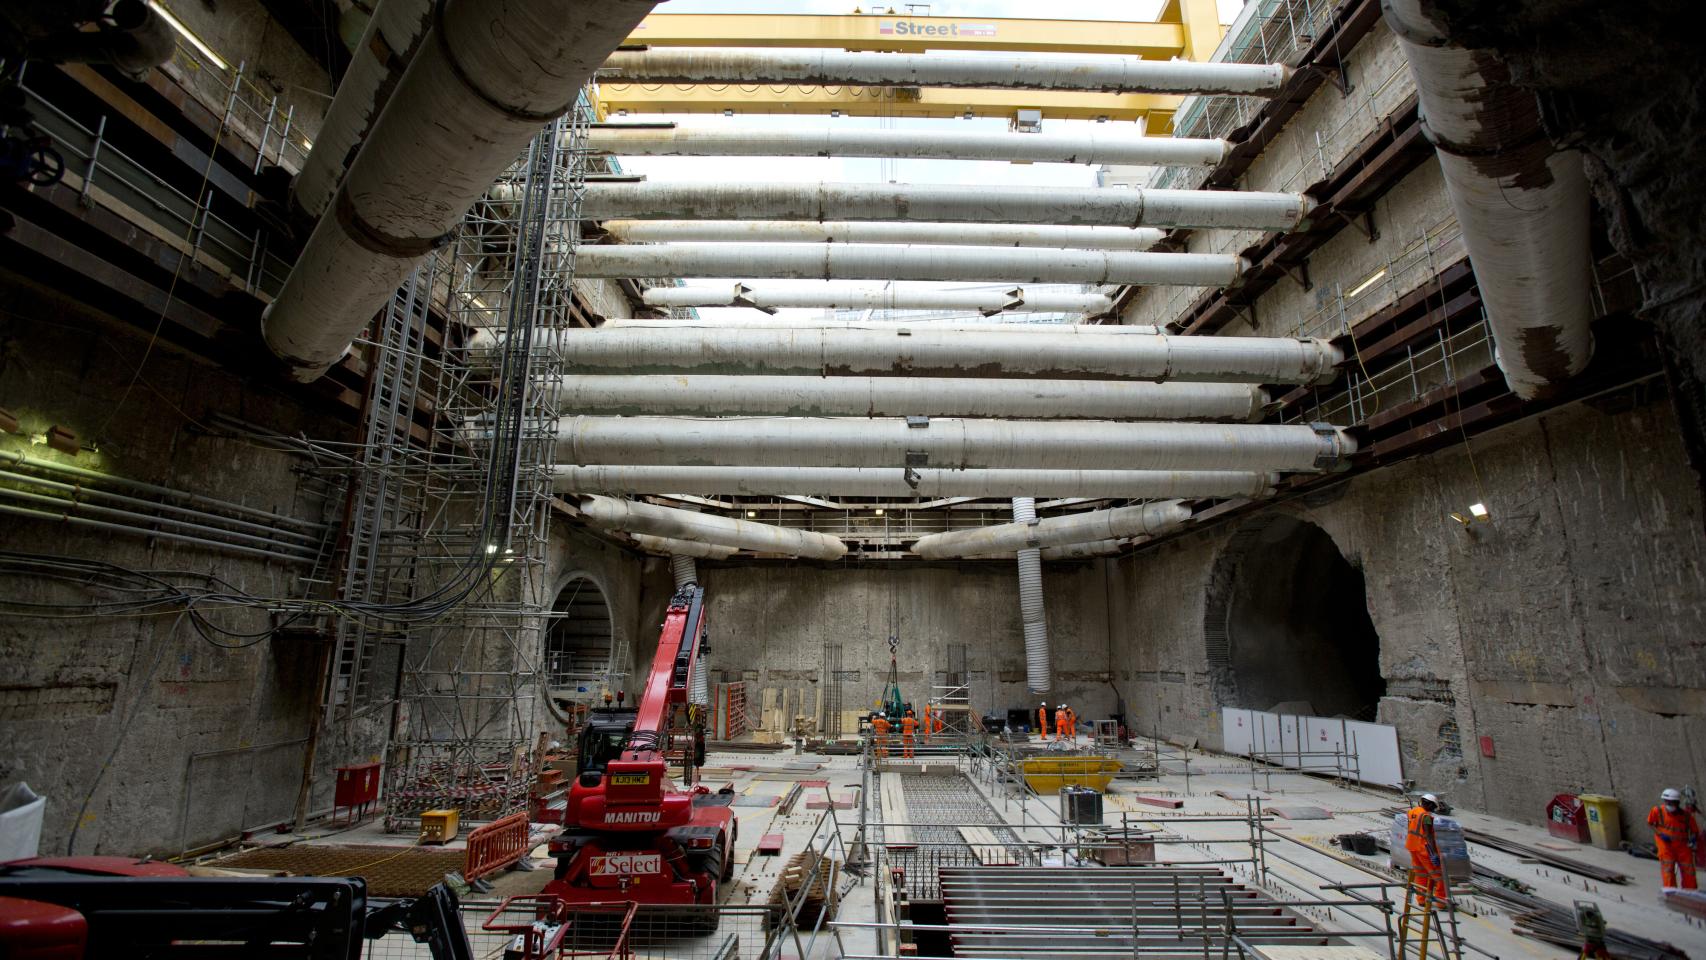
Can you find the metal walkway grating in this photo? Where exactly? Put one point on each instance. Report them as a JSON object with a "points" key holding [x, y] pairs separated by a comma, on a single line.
{"points": [[1158, 913]]}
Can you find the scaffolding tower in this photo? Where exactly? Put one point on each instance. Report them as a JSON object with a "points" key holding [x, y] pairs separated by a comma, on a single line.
{"points": [[444, 555]]}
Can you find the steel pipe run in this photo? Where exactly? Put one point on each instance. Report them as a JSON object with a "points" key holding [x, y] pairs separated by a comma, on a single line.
{"points": [[635, 517], [962, 328], [376, 64], [1149, 519], [949, 444], [714, 396], [848, 296], [855, 231], [1095, 146], [886, 261], [485, 77], [1523, 204], [667, 547], [901, 482], [1105, 74], [912, 351], [955, 203], [1033, 617]]}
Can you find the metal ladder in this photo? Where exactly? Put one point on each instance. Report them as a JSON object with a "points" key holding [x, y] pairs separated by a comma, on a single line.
{"points": [[379, 514], [1417, 924]]}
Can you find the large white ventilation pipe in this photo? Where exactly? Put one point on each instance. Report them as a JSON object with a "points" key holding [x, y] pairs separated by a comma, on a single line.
{"points": [[961, 328], [949, 444], [1106, 74], [849, 296], [1149, 519], [376, 64], [485, 77], [714, 396], [667, 547], [1522, 203], [901, 482], [1094, 146], [634, 517], [919, 352], [1033, 618], [858, 231], [956, 203], [686, 574], [887, 261]]}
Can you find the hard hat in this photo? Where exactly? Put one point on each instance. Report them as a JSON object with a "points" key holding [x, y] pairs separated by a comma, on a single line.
{"points": [[1671, 795], [1430, 798]]}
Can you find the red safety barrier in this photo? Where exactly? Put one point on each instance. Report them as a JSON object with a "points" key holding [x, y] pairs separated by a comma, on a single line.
{"points": [[495, 846]]}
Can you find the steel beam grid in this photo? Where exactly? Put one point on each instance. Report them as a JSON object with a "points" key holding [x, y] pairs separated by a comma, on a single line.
{"points": [[467, 691]]}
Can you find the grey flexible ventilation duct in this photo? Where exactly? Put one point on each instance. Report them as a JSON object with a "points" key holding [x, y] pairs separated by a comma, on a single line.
{"points": [[1032, 616], [686, 572]]}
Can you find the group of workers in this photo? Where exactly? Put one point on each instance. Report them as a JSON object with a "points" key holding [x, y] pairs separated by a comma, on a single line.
{"points": [[1676, 838], [1065, 723], [882, 729]]}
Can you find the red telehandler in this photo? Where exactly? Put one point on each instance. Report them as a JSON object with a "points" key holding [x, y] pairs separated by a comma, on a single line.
{"points": [[630, 832]]}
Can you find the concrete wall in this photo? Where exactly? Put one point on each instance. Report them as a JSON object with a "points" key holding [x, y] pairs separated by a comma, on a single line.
{"points": [[1568, 630], [769, 624], [169, 740]]}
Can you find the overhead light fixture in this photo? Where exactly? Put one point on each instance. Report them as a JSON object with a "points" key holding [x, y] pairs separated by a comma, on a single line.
{"points": [[752, 513], [491, 548], [880, 511], [1366, 283], [1479, 512], [185, 32]]}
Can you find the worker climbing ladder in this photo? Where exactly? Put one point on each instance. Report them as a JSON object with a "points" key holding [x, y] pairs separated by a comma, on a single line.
{"points": [[1425, 919]]}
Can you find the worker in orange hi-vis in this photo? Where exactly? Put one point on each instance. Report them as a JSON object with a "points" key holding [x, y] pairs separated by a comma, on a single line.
{"points": [[928, 726], [1042, 720], [908, 728], [880, 733], [1428, 874], [1060, 723], [1676, 835], [1072, 726]]}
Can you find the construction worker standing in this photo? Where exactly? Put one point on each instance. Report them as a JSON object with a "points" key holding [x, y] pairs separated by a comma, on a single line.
{"points": [[927, 724], [1042, 720], [880, 724], [1072, 726], [908, 728], [1060, 726], [1427, 875], [1676, 835]]}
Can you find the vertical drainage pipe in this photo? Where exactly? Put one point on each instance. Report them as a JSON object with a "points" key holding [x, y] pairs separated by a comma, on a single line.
{"points": [[1032, 615]]}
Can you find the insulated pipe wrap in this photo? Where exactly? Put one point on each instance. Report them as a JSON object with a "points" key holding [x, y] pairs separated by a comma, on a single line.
{"points": [[483, 340], [1097, 525], [857, 296], [612, 479], [1033, 617], [666, 547], [635, 517], [714, 396], [1103, 73], [874, 261], [487, 74], [956, 203], [376, 64], [1095, 146], [949, 444], [683, 570], [859, 231], [1522, 203]]}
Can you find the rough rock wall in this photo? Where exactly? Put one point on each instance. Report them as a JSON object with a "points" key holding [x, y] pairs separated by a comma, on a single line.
{"points": [[171, 740], [1620, 82], [769, 625], [1571, 630]]}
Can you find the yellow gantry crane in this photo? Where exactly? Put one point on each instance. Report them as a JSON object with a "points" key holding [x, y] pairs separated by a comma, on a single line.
{"points": [[1185, 29]]}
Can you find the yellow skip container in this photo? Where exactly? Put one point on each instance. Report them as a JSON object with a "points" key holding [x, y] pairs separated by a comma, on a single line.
{"points": [[1047, 775]]}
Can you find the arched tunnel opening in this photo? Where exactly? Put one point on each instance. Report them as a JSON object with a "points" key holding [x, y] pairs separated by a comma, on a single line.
{"points": [[578, 642], [1298, 635]]}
